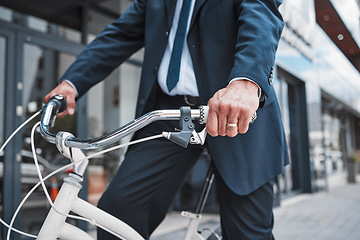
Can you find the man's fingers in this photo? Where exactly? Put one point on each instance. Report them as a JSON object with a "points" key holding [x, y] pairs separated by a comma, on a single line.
{"points": [[47, 98], [243, 124], [222, 116], [212, 124], [231, 129], [67, 91], [62, 114], [71, 105], [231, 109], [232, 119]]}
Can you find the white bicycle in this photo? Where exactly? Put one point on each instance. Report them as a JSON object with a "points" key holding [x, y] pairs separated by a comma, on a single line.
{"points": [[67, 200]]}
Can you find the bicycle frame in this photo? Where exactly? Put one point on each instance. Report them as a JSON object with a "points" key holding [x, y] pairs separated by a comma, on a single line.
{"points": [[55, 227], [67, 200], [192, 230]]}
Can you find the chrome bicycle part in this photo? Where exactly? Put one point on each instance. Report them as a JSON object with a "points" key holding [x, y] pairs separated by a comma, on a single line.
{"points": [[117, 134], [74, 154], [60, 143], [253, 118], [204, 113], [198, 137]]}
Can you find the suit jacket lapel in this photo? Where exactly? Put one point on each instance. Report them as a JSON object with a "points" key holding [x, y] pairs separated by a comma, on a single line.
{"points": [[198, 5], [170, 7]]}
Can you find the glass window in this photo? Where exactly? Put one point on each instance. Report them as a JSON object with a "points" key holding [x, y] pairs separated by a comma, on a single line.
{"points": [[2, 86], [2, 112], [281, 89], [45, 26], [5, 14], [33, 71], [41, 70], [332, 144]]}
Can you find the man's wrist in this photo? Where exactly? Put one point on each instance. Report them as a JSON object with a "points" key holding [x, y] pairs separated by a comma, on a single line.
{"points": [[250, 80], [72, 85]]}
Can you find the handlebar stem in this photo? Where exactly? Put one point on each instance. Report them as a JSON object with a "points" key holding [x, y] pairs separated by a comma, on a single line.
{"points": [[74, 154]]}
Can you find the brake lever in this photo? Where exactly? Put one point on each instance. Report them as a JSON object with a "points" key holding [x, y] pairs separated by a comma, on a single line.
{"points": [[187, 133], [198, 137]]}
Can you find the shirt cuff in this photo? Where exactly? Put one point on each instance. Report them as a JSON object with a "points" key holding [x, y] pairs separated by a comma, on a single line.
{"points": [[247, 79], [72, 85]]}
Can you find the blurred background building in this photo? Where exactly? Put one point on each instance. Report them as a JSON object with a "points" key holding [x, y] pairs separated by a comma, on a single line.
{"points": [[317, 84]]}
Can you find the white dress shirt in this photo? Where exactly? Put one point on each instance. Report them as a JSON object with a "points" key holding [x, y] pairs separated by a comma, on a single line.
{"points": [[187, 81]]}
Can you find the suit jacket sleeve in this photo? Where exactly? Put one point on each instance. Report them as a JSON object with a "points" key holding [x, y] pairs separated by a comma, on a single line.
{"points": [[259, 29], [116, 43]]}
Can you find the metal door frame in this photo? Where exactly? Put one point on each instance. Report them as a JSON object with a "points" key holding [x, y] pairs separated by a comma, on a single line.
{"points": [[11, 175], [299, 127], [17, 36]]}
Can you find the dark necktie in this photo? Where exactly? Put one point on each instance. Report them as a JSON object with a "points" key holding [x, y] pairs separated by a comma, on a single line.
{"points": [[175, 60]]}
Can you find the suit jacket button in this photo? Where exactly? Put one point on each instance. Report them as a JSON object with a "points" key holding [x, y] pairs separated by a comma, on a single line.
{"points": [[270, 80], [155, 69], [142, 101], [271, 75]]}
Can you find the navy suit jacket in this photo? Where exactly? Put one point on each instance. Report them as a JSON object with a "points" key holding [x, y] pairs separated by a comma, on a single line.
{"points": [[227, 39]]}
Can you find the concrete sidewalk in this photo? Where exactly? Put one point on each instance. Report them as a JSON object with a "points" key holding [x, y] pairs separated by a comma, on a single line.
{"points": [[333, 215]]}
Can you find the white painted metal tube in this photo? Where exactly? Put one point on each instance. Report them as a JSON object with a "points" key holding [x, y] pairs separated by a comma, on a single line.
{"points": [[70, 232], [55, 221], [115, 225]]}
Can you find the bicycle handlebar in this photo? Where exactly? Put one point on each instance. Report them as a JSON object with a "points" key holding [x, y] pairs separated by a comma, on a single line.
{"points": [[58, 103], [55, 105]]}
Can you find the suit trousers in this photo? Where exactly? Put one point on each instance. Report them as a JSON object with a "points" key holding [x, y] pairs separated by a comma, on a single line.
{"points": [[152, 173]]}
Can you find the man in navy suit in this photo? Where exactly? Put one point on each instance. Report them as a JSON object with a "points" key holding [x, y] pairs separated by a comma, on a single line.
{"points": [[225, 60]]}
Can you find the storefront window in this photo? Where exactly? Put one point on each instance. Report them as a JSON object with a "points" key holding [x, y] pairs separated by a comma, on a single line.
{"points": [[2, 87], [281, 89], [41, 69], [332, 144], [2, 112], [5, 14], [44, 26]]}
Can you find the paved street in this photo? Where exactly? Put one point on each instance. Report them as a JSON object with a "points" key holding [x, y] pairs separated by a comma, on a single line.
{"points": [[333, 215], [322, 216]]}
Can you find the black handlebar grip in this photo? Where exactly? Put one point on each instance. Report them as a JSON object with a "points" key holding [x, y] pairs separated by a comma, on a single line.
{"points": [[59, 102]]}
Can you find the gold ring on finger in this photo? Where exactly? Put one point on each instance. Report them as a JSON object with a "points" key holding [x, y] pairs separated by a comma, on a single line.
{"points": [[231, 124]]}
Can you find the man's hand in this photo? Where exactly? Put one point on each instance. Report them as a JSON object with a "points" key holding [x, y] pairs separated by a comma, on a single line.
{"points": [[231, 108], [67, 91]]}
